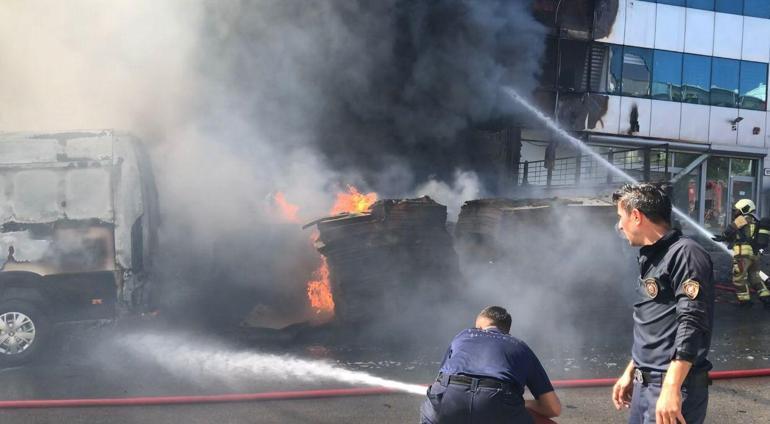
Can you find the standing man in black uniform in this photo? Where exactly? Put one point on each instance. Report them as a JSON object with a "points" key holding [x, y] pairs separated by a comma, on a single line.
{"points": [[667, 378], [483, 375]]}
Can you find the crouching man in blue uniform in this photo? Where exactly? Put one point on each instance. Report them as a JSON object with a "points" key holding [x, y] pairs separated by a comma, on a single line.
{"points": [[483, 375], [667, 378]]}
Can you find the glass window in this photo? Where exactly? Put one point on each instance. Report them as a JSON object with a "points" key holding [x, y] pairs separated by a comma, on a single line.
{"points": [[753, 85], [609, 59], [696, 78], [743, 168], [674, 2], [730, 6], [686, 191], [701, 4], [758, 8], [667, 76], [717, 177], [724, 82], [637, 71]]}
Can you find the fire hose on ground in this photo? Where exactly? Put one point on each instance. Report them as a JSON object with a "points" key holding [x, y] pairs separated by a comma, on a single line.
{"points": [[308, 394]]}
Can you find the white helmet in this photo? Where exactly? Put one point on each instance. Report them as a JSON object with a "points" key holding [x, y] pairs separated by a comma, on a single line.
{"points": [[745, 206]]}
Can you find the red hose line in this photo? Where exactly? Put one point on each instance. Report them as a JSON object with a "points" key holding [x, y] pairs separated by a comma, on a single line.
{"points": [[306, 394], [725, 288], [171, 400]]}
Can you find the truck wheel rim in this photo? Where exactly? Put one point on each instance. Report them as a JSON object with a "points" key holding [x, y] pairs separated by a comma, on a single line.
{"points": [[17, 333]]}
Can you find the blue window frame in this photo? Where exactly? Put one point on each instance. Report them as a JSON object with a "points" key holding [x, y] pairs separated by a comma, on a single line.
{"points": [[637, 71], [672, 2], [753, 86], [696, 79], [757, 8], [701, 4], [724, 82], [667, 75], [730, 6]]}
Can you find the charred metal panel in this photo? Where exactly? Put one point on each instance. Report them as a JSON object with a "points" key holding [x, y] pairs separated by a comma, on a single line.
{"points": [[606, 17], [16, 149], [635, 116], [665, 119], [545, 11], [699, 32], [128, 199], [496, 156], [640, 24], [610, 21], [583, 112], [574, 62], [730, 30], [670, 20], [88, 194], [88, 148], [720, 128], [81, 296], [36, 195], [696, 125], [575, 18], [63, 247], [547, 78], [756, 32], [751, 130]]}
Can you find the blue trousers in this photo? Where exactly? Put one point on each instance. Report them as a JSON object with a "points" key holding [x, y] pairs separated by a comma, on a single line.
{"points": [[460, 404], [694, 403]]}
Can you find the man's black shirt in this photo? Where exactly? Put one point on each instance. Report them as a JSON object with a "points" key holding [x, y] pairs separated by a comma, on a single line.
{"points": [[674, 313]]}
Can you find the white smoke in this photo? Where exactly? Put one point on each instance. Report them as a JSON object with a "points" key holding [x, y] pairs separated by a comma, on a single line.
{"points": [[466, 186]]}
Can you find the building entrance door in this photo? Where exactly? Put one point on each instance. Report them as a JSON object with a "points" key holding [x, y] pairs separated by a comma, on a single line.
{"points": [[741, 188]]}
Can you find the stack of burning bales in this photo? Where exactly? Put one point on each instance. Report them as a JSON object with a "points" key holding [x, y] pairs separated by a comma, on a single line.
{"points": [[387, 261]]}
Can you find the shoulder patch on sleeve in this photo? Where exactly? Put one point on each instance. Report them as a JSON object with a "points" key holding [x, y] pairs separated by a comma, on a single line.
{"points": [[651, 285], [691, 288]]}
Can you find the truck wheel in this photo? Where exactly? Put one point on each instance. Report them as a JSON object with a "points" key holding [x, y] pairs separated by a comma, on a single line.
{"points": [[23, 332]]}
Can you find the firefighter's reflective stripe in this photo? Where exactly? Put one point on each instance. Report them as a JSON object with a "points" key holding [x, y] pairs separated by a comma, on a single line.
{"points": [[743, 250]]}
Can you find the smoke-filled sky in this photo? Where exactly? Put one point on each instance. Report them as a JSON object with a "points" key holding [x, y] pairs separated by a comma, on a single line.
{"points": [[240, 99]]}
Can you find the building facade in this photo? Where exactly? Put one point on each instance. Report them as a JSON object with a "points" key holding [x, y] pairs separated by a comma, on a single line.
{"points": [[668, 90]]}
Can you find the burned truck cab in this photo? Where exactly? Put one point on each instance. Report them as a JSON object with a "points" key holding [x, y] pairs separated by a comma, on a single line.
{"points": [[78, 217]]}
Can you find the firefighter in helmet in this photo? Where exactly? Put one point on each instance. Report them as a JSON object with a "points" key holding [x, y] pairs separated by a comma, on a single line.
{"points": [[747, 236]]}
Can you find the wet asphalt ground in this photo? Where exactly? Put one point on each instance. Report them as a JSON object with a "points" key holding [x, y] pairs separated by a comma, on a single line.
{"points": [[95, 362]]}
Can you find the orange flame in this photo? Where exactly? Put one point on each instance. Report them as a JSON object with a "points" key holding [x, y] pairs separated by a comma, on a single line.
{"points": [[353, 202], [319, 290], [288, 211]]}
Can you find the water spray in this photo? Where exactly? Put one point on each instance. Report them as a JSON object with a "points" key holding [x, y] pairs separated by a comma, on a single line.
{"points": [[202, 360], [607, 164]]}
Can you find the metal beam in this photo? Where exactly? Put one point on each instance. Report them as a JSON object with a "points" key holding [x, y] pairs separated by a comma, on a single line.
{"points": [[699, 160]]}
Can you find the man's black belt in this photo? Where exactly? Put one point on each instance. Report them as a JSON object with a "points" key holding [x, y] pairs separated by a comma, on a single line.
{"points": [[698, 379], [465, 380]]}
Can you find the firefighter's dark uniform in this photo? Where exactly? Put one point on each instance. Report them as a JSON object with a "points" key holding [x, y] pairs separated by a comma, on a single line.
{"points": [[482, 380], [673, 318], [746, 259]]}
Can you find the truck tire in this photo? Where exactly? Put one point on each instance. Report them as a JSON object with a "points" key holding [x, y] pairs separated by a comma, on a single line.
{"points": [[24, 330]]}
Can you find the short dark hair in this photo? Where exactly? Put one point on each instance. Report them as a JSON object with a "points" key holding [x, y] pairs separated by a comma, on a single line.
{"points": [[499, 316], [649, 199]]}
